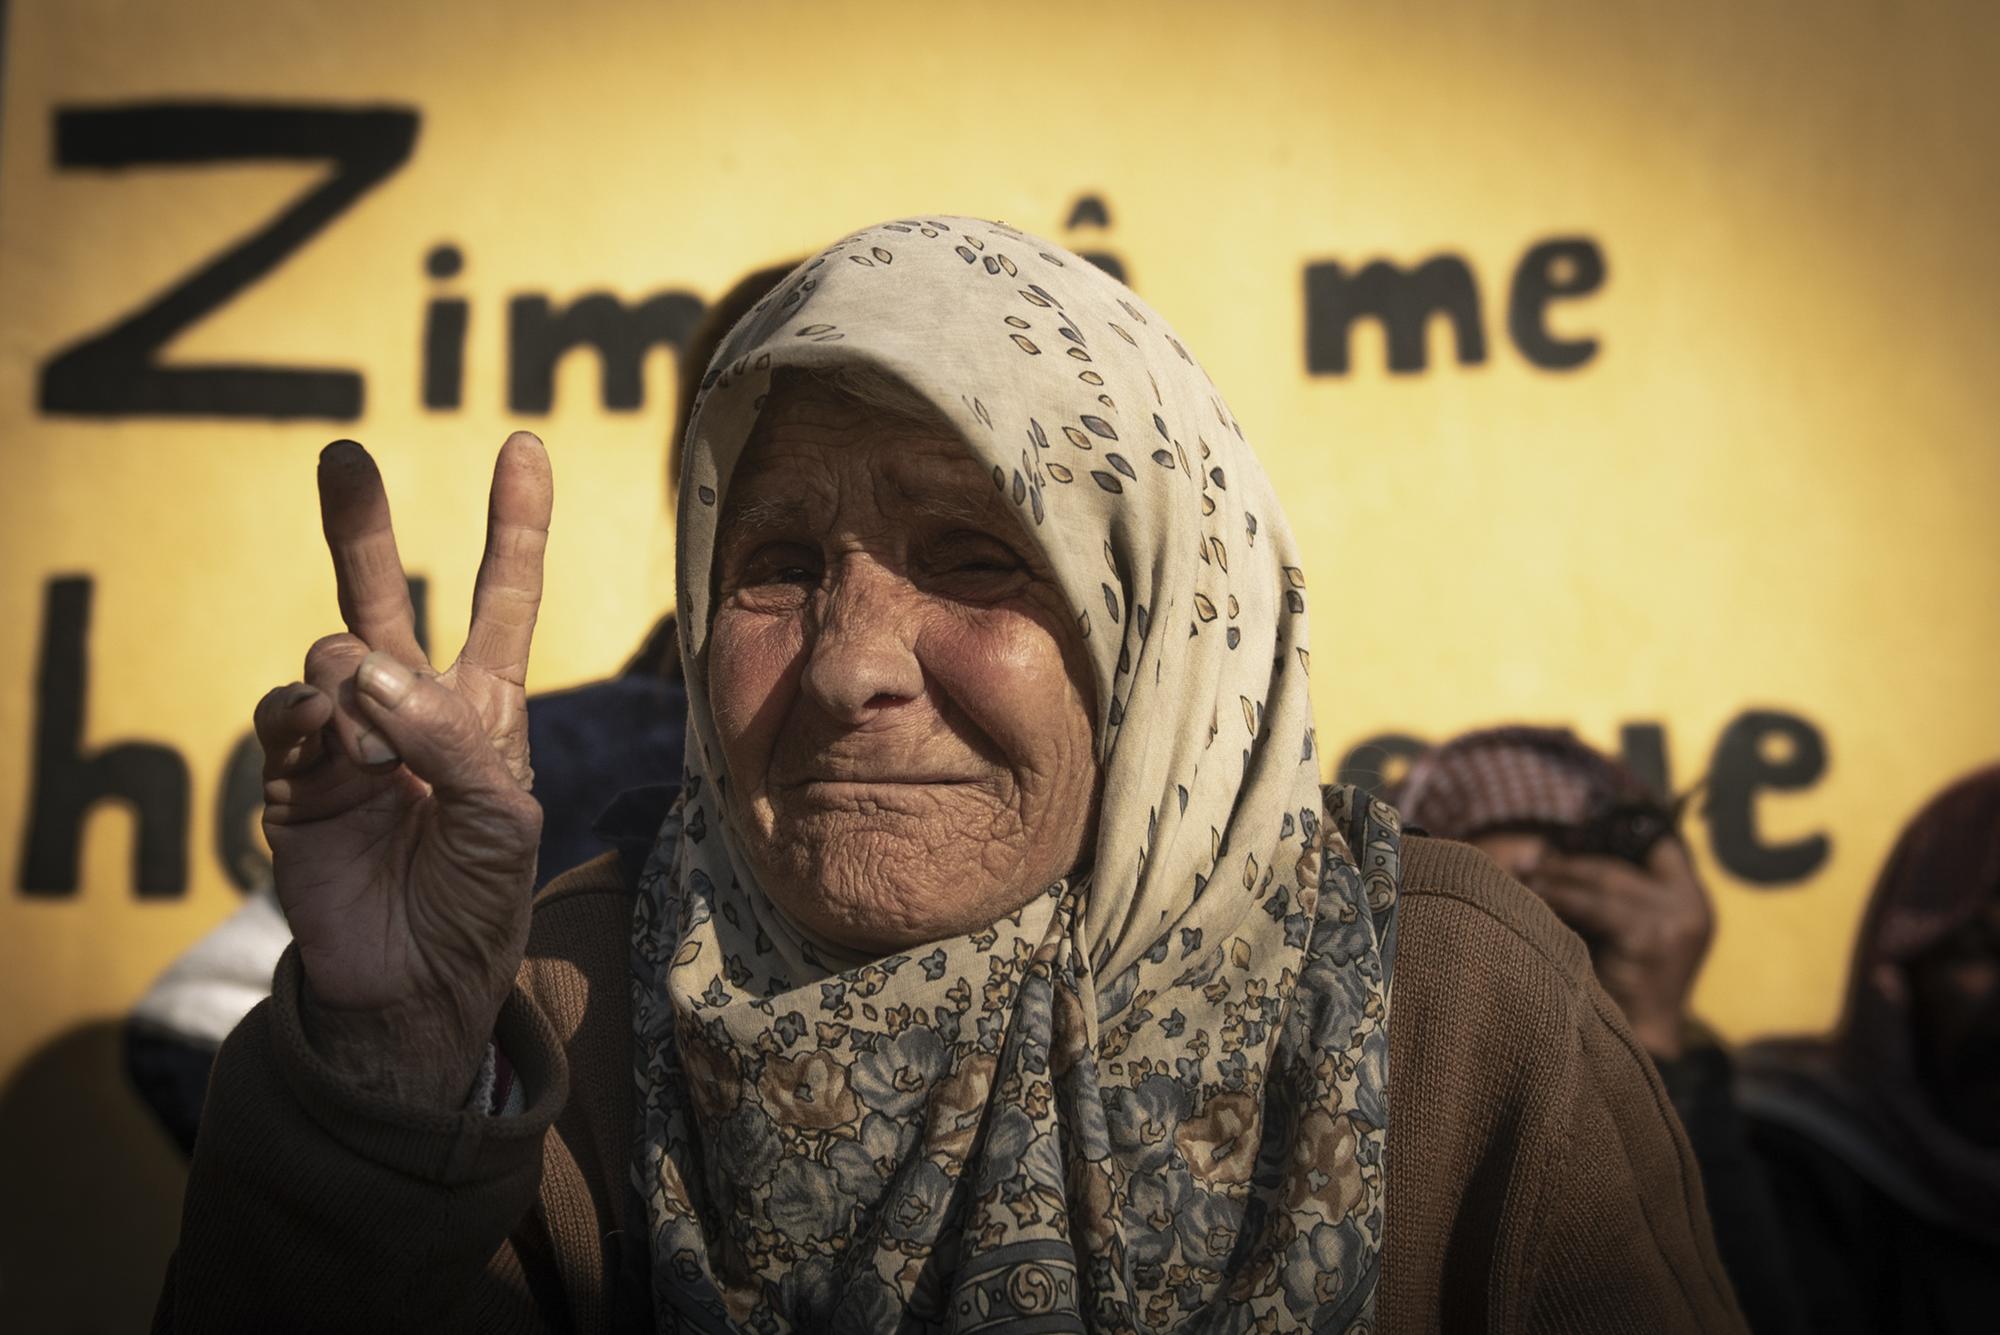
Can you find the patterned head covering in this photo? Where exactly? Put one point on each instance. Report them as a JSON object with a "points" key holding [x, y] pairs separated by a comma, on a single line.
{"points": [[1153, 1098], [1511, 776]]}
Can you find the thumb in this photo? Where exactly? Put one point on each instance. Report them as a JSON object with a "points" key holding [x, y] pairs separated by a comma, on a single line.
{"points": [[435, 731]]}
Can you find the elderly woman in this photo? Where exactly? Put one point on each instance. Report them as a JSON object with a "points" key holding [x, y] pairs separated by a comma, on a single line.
{"points": [[1000, 965]]}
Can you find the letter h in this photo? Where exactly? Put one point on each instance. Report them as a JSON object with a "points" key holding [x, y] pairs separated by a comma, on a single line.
{"points": [[67, 783]]}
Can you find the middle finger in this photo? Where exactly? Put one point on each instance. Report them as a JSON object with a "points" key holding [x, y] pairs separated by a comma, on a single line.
{"points": [[367, 570]]}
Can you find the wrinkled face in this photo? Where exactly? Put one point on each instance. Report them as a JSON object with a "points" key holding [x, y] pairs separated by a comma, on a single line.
{"points": [[901, 696]]}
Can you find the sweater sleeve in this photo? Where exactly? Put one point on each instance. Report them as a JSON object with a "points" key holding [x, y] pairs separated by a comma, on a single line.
{"points": [[1624, 1240], [315, 1206], [1538, 1181]]}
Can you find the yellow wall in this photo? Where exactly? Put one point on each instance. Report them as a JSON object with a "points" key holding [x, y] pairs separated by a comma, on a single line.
{"points": [[1772, 485]]}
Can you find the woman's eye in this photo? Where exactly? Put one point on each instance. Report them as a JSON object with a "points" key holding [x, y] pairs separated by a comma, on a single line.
{"points": [[974, 551], [976, 565], [779, 563]]}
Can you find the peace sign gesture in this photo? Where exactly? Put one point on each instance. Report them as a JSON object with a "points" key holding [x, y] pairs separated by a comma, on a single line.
{"points": [[396, 797]]}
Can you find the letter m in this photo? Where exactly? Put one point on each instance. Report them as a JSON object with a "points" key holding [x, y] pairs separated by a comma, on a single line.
{"points": [[115, 371], [1403, 300], [539, 335]]}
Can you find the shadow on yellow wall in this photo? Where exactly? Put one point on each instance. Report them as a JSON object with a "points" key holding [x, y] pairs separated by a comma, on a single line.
{"points": [[85, 1173]]}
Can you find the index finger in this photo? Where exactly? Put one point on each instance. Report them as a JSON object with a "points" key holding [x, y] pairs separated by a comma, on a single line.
{"points": [[1600, 871], [1669, 860], [507, 595], [1585, 908], [367, 571]]}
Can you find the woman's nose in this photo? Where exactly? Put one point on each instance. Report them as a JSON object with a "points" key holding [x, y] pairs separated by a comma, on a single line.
{"points": [[862, 656]]}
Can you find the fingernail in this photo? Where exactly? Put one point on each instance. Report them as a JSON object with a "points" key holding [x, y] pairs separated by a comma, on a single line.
{"points": [[298, 695], [374, 748], [385, 680], [342, 454]]}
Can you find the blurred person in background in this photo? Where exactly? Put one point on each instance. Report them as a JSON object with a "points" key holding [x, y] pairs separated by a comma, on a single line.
{"points": [[1883, 1140], [591, 743], [1603, 851]]}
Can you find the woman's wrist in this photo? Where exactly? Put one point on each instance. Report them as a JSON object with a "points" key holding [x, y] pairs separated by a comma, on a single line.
{"points": [[410, 1055]]}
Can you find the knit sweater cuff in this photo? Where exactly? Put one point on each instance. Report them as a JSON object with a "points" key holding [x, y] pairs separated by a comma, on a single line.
{"points": [[444, 1147]]}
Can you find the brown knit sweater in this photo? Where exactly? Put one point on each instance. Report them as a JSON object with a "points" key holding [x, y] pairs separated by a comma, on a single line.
{"points": [[1537, 1178]]}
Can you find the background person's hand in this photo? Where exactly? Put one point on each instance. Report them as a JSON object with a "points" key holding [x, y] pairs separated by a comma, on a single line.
{"points": [[1648, 929], [396, 798]]}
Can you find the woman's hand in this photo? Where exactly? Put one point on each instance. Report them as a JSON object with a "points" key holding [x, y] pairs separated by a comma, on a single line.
{"points": [[396, 797], [1648, 930]]}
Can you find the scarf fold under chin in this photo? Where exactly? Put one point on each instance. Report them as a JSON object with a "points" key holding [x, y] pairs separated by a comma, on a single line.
{"points": [[930, 1142]]}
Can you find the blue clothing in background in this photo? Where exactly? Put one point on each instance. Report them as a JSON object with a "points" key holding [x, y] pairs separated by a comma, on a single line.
{"points": [[590, 744]]}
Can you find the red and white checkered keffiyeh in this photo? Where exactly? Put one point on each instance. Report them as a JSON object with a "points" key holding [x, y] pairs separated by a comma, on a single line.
{"points": [[1515, 775]]}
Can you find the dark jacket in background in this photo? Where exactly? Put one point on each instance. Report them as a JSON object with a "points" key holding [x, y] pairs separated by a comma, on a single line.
{"points": [[1891, 1213]]}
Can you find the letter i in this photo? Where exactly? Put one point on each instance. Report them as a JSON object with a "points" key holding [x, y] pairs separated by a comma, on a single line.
{"points": [[444, 333]]}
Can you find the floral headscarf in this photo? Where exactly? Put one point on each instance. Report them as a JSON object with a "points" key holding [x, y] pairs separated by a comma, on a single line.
{"points": [[1155, 1098]]}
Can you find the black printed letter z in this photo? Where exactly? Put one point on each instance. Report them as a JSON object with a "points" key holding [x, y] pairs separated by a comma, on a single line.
{"points": [[114, 372]]}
